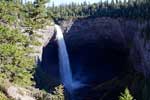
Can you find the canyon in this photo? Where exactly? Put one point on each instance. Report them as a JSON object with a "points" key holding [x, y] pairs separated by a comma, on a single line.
{"points": [[106, 55]]}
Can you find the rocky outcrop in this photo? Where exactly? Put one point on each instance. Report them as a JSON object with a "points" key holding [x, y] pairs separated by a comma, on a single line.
{"points": [[15, 92], [45, 35], [19, 93]]}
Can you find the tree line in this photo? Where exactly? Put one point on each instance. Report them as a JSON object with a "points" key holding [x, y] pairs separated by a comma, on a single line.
{"points": [[115, 8]]}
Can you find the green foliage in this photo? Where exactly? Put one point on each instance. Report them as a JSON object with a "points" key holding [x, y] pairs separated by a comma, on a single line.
{"points": [[9, 11], [3, 96], [11, 36], [126, 95], [15, 63], [138, 9], [59, 91], [35, 14], [58, 94]]}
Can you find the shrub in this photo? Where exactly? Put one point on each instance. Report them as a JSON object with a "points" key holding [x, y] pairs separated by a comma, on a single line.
{"points": [[126, 95], [16, 64], [3, 96]]}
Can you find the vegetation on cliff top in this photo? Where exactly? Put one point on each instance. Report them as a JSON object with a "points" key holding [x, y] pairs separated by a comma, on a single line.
{"points": [[17, 38], [16, 64], [135, 9]]}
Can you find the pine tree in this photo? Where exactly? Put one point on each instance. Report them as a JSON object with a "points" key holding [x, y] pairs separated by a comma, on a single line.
{"points": [[126, 95]]}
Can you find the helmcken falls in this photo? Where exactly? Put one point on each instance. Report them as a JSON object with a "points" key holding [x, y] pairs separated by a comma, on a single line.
{"points": [[65, 71], [64, 64]]}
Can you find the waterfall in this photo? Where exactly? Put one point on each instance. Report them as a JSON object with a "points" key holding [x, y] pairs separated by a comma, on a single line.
{"points": [[65, 70]]}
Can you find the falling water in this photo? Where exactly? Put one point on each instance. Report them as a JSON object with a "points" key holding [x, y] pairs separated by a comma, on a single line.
{"points": [[65, 70]]}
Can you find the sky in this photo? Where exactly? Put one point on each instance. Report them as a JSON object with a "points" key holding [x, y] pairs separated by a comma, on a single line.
{"points": [[60, 2]]}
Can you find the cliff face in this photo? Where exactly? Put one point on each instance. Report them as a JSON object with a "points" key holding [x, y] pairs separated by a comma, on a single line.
{"points": [[82, 32], [102, 51], [45, 35]]}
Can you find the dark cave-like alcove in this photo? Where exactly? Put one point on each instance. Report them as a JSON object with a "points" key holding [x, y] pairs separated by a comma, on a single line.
{"points": [[93, 61]]}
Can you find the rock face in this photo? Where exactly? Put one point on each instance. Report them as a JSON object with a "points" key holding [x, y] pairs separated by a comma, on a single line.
{"points": [[46, 35], [86, 32], [47, 72], [100, 50], [19, 93], [103, 48]]}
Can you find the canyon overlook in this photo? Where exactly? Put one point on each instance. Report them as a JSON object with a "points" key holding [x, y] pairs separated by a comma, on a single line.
{"points": [[74, 51], [105, 54]]}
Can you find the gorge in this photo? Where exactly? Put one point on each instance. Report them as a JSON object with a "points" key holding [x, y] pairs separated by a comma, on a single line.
{"points": [[101, 57], [74, 51]]}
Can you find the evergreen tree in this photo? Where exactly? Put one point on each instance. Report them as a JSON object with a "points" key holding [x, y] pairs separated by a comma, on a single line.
{"points": [[137, 9], [126, 95]]}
